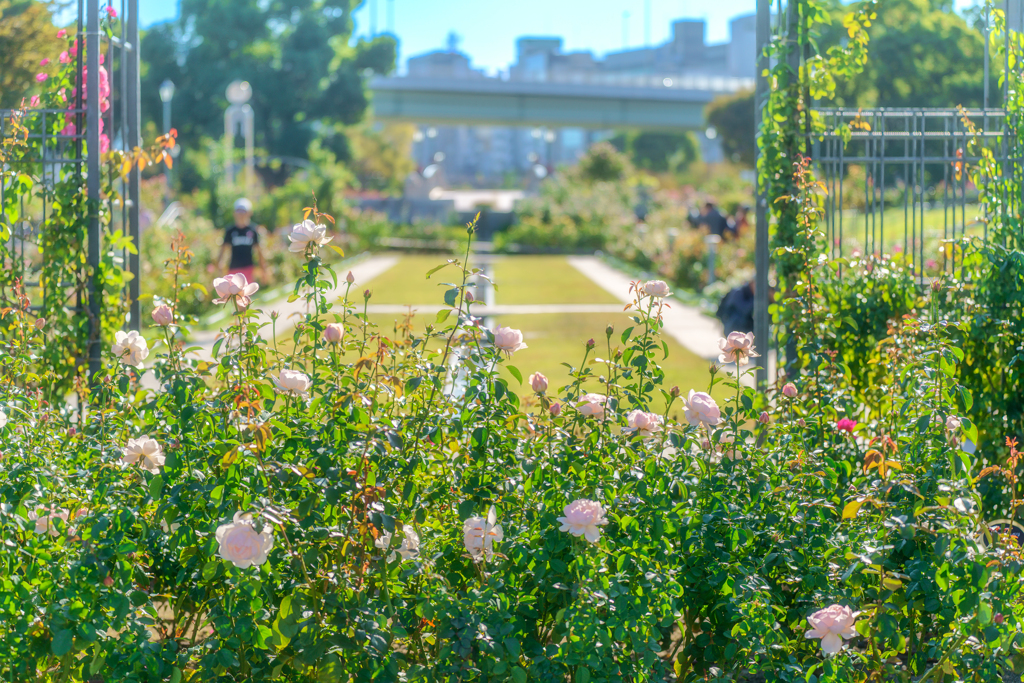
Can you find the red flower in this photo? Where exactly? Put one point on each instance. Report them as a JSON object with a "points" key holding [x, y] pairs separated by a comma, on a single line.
{"points": [[846, 425]]}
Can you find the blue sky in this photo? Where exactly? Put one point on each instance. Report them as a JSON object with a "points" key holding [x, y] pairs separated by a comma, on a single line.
{"points": [[489, 28]]}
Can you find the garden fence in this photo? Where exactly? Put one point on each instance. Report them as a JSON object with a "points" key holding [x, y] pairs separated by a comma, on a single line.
{"points": [[53, 155], [896, 179]]}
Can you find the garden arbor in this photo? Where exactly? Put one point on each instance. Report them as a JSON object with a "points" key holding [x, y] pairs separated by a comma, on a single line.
{"points": [[58, 192], [895, 180]]}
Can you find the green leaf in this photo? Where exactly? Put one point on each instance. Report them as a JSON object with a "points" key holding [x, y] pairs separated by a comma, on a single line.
{"points": [[210, 569], [443, 314], [583, 675], [625, 334], [175, 675], [519, 674], [62, 641], [436, 268], [450, 296], [512, 645], [514, 371]]}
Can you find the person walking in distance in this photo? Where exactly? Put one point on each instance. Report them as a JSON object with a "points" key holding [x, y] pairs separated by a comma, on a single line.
{"points": [[243, 239]]}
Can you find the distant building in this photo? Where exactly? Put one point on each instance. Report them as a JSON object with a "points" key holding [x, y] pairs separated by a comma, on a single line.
{"points": [[491, 155]]}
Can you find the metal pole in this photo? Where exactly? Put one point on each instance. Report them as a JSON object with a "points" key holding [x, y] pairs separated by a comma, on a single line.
{"points": [[229, 144], [134, 139], [761, 256], [92, 141]]}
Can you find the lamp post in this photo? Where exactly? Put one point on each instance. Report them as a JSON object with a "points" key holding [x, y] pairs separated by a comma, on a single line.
{"points": [[239, 116], [166, 95]]}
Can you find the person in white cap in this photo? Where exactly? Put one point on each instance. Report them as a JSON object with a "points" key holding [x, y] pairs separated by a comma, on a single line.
{"points": [[243, 240]]}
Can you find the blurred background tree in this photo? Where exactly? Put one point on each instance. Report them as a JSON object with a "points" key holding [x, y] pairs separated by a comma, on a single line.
{"points": [[657, 151], [27, 36], [305, 76], [731, 115]]}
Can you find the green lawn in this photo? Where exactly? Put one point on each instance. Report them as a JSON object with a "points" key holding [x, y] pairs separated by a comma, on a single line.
{"points": [[545, 280], [551, 338]]}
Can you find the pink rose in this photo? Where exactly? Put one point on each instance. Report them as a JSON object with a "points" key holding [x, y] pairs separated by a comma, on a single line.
{"points": [[538, 382], [44, 61], [34, 102], [61, 33], [111, 12], [582, 518], [334, 333], [832, 625], [292, 381], [241, 545], [163, 315], [350, 278], [700, 408], [45, 519], [764, 419], [789, 391], [645, 424], [655, 288], [555, 409], [592, 405], [235, 287], [508, 340], [737, 348], [846, 425], [64, 57], [41, 77]]}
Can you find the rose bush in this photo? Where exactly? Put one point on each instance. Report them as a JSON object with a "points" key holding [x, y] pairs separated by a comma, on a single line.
{"points": [[606, 541]]}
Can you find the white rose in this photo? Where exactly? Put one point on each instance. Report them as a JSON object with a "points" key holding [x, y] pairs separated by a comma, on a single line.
{"points": [[700, 408], [582, 518], [656, 288], [410, 548], [241, 545], [591, 405], [306, 233], [3, 419], [292, 381], [508, 340], [130, 348], [479, 535], [646, 424], [146, 452]]}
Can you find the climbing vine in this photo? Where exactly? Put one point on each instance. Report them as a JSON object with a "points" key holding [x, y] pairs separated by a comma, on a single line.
{"points": [[45, 213]]}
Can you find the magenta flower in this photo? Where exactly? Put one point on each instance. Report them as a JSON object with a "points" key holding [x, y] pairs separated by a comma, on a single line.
{"points": [[61, 33], [846, 425], [40, 77], [111, 12], [44, 61]]}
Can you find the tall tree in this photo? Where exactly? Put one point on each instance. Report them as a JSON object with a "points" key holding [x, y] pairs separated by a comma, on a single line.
{"points": [[295, 55], [733, 118], [27, 36]]}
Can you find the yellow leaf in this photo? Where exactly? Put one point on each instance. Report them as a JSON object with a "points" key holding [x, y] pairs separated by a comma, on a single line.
{"points": [[850, 509], [892, 584]]}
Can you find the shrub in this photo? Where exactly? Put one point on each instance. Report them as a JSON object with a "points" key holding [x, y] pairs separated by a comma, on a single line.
{"points": [[386, 507]]}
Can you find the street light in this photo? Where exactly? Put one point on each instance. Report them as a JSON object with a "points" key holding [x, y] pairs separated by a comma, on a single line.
{"points": [[166, 95], [239, 116]]}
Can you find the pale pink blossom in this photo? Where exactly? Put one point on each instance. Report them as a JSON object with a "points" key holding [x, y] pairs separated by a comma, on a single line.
{"points": [[409, 549], [700, 408], [479, 535], [45, 519], [656, 288], [306, 234], [235, 287], [789, 391], [555, 409], [350, 278], [292, 381], [582, 518], [538, 382], [737, 348], [645, 424], [334, 333], [163, 315], [591, 405], [241, 545], [832, 625], [34, 101], [64, 58], [508, 340], [146, 452]]}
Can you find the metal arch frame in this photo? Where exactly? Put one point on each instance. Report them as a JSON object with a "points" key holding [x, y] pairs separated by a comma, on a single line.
{"points": [[55, 153], [914, 135]]}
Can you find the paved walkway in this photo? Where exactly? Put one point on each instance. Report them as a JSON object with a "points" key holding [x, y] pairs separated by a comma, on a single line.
{"points": [[695, 331], [501, 309]]}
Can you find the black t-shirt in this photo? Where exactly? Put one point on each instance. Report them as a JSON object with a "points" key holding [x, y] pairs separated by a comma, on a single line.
{"points": [[242, 240]]}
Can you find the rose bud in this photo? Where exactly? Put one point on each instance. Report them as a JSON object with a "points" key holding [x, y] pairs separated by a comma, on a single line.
{"points": [[591, 343], [469, 296], [764, 419], [999, 618], [539, 382], [801, 422], [555, 409], [163, 315], [789, 391], [108, 581], [610, 330], [40, 323], [350, 278], [674, 391], [333, 333], [367, 293]]}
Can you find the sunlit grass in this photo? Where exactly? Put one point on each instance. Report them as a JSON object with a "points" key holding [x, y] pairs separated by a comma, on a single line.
{"points": [[545, 280]]}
